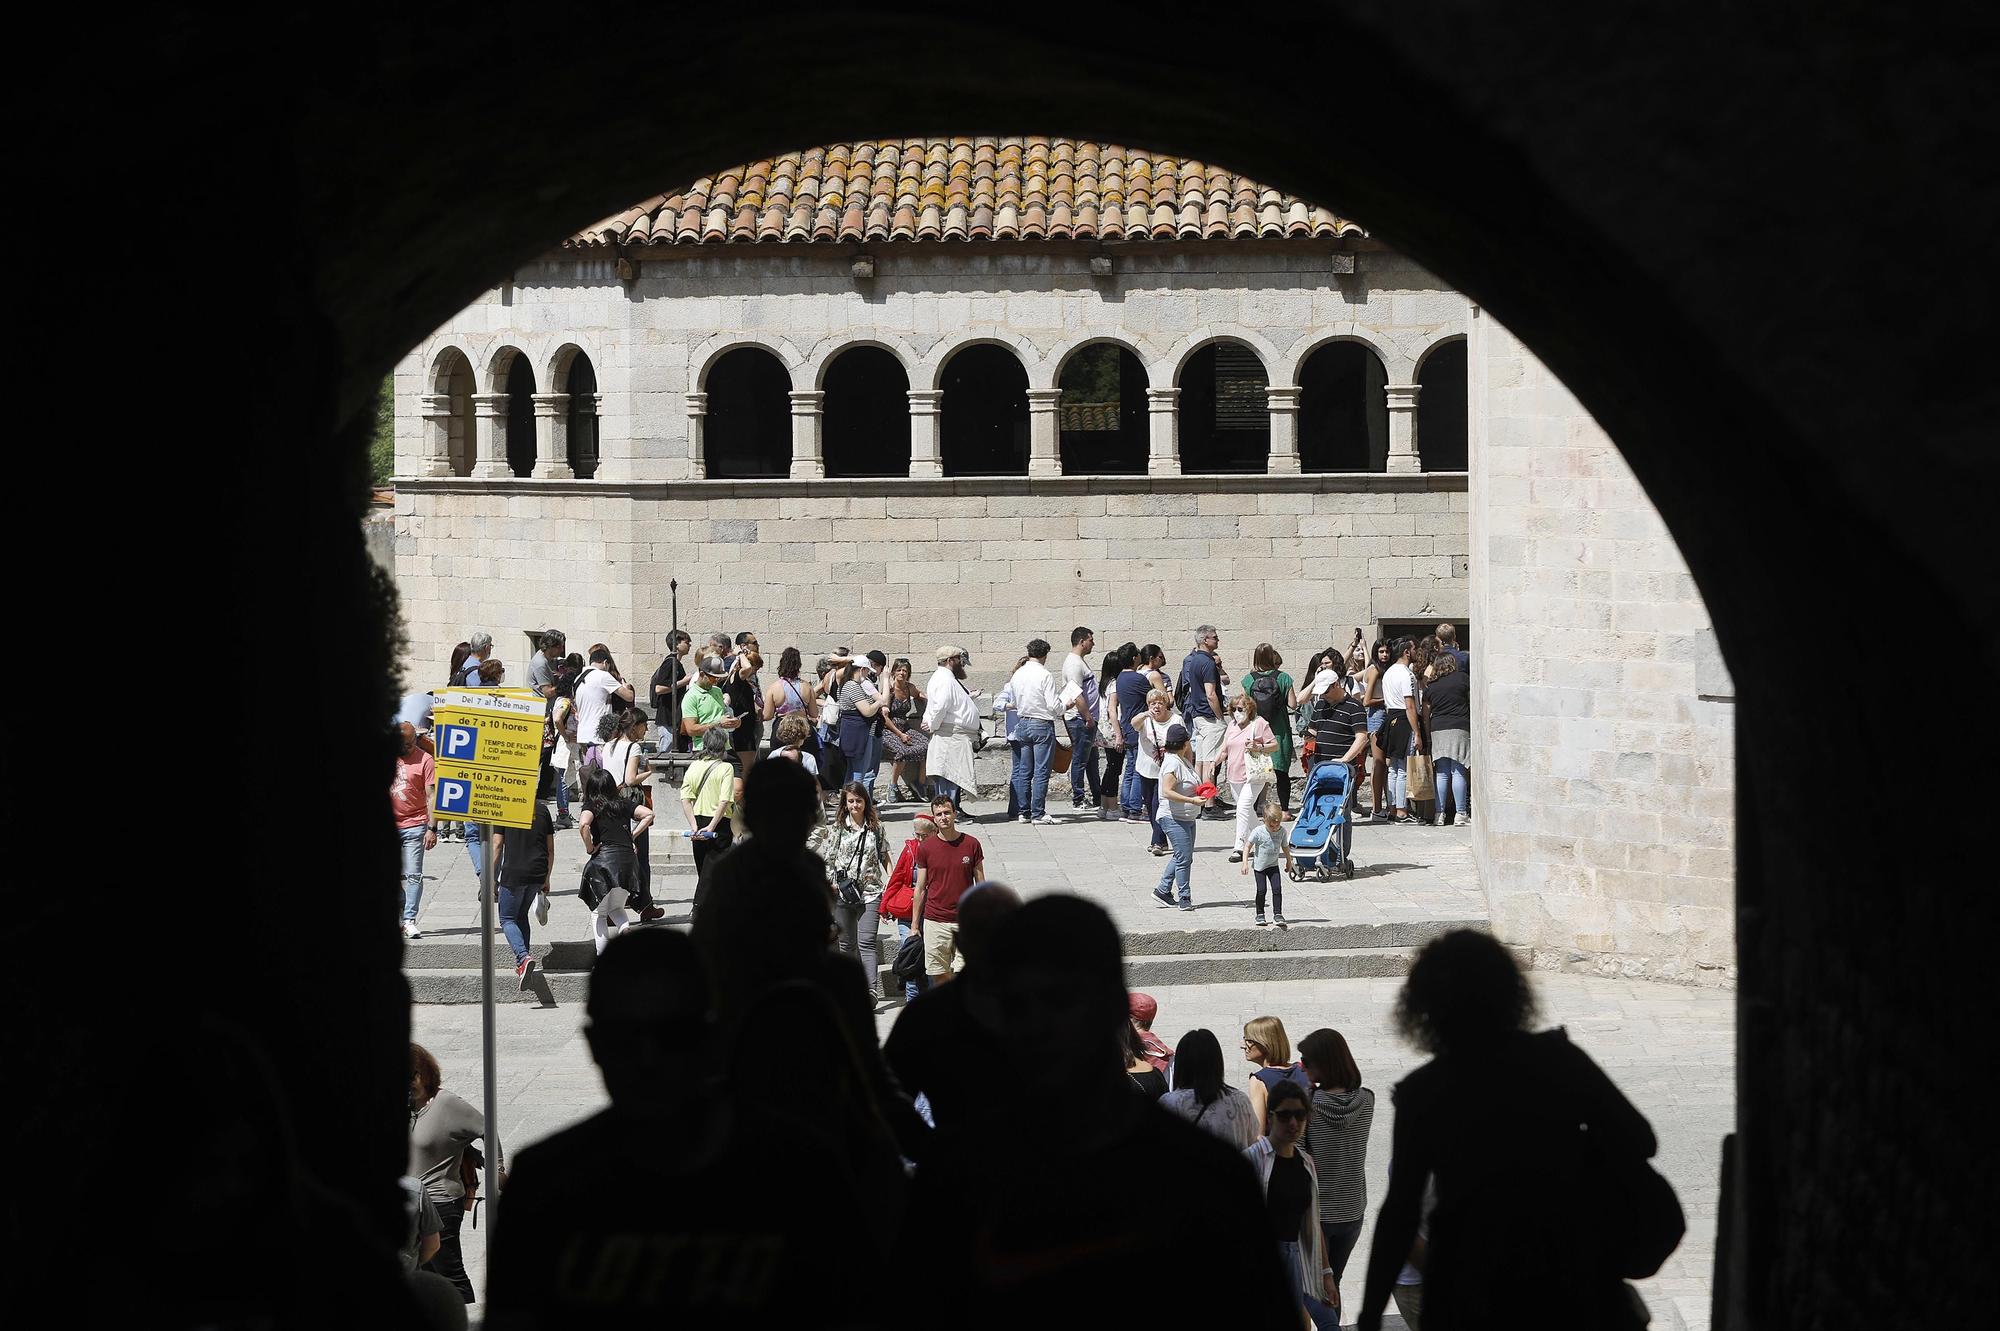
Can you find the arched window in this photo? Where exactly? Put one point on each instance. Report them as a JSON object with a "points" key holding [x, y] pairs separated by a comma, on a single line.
{"points": [[520, 416], [580, 382], [451, 377], [865, 415], [985, 413], [1343, 410], [1102, 419], [1225, 416], [1441, 409], [749, 428]]}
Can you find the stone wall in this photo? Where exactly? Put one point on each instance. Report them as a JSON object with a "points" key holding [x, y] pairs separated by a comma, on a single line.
{"points": [[904, 565], [1603, 749]]}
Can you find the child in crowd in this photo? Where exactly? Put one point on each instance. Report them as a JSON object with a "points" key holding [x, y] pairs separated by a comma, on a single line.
{"points": [[1262, 852]]}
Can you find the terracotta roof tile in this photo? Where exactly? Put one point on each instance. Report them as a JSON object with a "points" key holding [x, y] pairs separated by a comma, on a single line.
{"points": [[966, 189]]}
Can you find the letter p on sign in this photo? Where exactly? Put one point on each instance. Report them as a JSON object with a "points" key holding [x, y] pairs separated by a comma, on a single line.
{"points": [[454, 796], [458, 744]]}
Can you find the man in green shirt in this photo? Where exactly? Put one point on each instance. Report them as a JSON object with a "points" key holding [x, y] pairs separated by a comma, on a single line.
{"points": [[705, 707]]}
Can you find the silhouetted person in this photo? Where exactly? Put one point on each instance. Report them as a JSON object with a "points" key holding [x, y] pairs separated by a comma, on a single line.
{"points": [[945, 1045], [690, 1201], [1054, 1207], [1539, 1161]]}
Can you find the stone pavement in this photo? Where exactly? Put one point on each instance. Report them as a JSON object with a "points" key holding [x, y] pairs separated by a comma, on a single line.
{"points": [[1670, 1048], [1408, 883]]}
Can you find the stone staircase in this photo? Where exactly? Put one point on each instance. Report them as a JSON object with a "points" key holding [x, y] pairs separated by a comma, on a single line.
{"points": [[445, 969]]}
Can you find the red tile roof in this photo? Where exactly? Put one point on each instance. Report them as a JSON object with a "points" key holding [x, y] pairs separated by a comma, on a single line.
{"points": [[967, 189]]}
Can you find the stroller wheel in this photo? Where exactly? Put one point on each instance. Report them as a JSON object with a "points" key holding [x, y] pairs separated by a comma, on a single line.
{"points": [[1296, 874], [1347, 871], [1325, 874]]}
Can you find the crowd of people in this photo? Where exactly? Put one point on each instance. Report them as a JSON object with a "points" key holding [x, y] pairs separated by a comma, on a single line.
{"points": [[1141, 743]]}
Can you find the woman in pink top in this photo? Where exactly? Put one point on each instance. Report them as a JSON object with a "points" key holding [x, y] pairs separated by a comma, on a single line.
{"points": [[1248, 736]]}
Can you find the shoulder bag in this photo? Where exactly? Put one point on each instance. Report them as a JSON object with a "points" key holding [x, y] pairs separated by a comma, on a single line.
{"points": [[846, 887]]}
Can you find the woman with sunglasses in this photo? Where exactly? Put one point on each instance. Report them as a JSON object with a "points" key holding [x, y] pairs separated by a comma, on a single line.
{"points": [[1291, 1204], [1269, 1050]]}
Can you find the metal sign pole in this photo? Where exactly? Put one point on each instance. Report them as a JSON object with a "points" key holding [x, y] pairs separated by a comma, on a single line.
{"points": [[494, 1158]]}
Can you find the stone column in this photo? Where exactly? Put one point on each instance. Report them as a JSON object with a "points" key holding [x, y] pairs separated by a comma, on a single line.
{"points": [[1284, 403], [697, 407], [1043, 425], [808, 462], [925, 458], [552, 437], [1403, 428], [1163, 418], [437, 435], [489, 450]]}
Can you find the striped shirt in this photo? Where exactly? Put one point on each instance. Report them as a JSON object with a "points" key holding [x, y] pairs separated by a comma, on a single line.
{"points": [[1337, 1138]]}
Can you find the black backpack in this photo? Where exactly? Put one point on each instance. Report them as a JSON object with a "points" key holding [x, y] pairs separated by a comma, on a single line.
{"points": [[1264, 692]]}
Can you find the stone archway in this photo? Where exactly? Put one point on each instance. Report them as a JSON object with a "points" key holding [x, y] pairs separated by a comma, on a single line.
{"points": [[1564, 225]]}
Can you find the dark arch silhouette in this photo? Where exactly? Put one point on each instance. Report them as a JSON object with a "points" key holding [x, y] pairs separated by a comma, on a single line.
{"points": [[1101, 423], [984, 431], [1225, 418], [1442, 417], [580, 382], [749, 429], [1568, 174], [1343, 413], [865, 420], [520, 416]]}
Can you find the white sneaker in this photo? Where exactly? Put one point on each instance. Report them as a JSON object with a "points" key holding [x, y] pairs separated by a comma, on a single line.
{"points": [[1462, 820], [542, 909], [1048, 820], [410, 929], [1025, 820]]}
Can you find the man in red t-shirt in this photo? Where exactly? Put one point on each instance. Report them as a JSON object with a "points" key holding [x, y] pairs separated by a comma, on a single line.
{"points": [[947, 863], [410, 802]]}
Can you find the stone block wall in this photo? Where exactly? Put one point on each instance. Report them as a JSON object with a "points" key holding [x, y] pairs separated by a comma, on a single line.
{"points": [[1603, 749], [904, 565]]}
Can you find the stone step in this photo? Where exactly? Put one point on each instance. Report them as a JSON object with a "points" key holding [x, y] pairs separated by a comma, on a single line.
{"points": [[461, 984], [461, 951]]}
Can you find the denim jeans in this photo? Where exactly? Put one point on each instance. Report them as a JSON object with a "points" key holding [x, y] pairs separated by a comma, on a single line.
{"points": [[1149, 796], [1273, 879], [449, 1260], [1180, 836], [413, 869], [871, 762], [944, 790], [1035, 749], [1083, 765], [1451, 775], [1131, 787], [859, 927], [562, 790], [514, 918], [911, 988], [475, 847], [1324, 1318]]}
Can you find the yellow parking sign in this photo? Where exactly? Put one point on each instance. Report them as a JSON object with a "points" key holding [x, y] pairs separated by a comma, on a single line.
{"points": [[478, 737], [484, 795]]}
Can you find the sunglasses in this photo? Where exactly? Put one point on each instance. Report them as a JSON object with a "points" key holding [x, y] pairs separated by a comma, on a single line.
{"points": [[1290, 1115]]}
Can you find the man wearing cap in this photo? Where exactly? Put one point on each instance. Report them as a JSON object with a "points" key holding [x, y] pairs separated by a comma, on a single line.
{"points": [[707, 708], [952, 717]]}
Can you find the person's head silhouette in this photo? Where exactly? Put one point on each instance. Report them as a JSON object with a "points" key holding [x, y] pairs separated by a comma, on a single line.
{"points": [[1464, 990], [648, 1016], [1058, 982], [985, 906], [780, 804]]}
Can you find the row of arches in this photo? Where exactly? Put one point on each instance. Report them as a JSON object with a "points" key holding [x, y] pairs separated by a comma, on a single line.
{"points": [[1220, 404]]}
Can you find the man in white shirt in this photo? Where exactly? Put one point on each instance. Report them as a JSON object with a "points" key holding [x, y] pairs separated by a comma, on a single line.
{"points": [[952, 717], [1079, 689], [1038, 706], [597, 692], [1401, 736]]}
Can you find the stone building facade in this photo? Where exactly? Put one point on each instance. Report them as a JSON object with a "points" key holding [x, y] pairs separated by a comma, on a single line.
{"points": [[980, 391]]}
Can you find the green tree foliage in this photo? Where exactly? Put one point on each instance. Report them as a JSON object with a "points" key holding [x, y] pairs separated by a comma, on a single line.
{"points": [[382, 448], [1091, 376]]}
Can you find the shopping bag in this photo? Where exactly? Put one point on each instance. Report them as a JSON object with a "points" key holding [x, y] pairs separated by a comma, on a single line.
{"points": [[1422, 782]]}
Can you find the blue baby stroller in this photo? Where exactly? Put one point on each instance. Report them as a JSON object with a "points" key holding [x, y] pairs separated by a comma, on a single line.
{"points": [[1324, 833]]}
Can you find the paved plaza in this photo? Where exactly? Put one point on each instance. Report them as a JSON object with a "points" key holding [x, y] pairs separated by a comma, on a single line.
{"points": [[1669, 1047]]}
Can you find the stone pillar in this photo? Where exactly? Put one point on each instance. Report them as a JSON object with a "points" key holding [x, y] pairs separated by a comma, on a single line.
{"points": [[1043, 426], [437, 435], [697, 407], [1162, 416], [808, 462], [489, 447], [552, 437], [1403, 428], [925, 458], [1284, 403]]}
